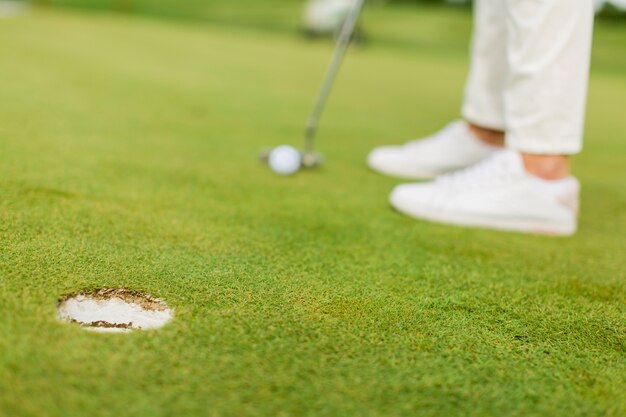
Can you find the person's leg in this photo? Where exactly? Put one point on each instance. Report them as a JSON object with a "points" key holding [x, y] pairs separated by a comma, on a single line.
{"points": [[462, 143], [483, 105], [526, 187], [549, 46]]}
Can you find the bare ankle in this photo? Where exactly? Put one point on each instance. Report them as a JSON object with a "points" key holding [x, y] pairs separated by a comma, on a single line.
{"points": [[488, 136], [547, 167]]}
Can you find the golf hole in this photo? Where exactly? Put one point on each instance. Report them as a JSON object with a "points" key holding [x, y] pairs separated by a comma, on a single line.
{"points": [[114, 310]]}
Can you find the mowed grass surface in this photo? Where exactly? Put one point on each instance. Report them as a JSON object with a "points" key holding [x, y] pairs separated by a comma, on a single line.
{"points": [[127, 159]]}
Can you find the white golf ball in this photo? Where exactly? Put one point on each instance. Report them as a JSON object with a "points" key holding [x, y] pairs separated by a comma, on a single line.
{"points": [[285, 160]]}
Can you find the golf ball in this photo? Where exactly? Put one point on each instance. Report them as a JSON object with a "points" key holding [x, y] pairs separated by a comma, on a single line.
{"points": [[285, 160]]}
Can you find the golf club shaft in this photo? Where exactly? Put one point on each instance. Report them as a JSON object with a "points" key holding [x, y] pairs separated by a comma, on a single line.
{"points": [[340, 50]]}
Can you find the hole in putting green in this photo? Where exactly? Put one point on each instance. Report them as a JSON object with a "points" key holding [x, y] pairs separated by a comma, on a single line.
{"points": [[114, 310]]}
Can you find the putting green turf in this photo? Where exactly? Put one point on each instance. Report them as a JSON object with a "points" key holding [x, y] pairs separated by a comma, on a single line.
{"points": [[127, 159]]}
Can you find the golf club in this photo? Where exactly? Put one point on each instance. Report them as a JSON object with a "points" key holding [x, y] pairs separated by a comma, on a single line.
{"points": [[308, 157]]}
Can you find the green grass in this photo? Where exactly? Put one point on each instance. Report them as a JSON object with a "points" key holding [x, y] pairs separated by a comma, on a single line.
{"points": [[127, 159]]}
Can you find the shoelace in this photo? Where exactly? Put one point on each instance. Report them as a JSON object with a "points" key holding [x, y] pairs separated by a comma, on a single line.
{"points": [[491, 171], [447, 133]]}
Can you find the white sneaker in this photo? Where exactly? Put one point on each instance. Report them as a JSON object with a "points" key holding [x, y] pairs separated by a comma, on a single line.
{"points": [[454, 147], [497, 193]]}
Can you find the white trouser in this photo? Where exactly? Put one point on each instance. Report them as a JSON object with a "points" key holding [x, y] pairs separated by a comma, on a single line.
{"points": [[529, 72]]}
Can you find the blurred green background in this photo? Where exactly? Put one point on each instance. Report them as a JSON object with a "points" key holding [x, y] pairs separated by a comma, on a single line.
{"points": [[386, 22]]}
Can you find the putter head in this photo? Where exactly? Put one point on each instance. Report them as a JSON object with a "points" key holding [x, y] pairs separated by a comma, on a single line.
{"points": [[264, 155], [311, 159]]}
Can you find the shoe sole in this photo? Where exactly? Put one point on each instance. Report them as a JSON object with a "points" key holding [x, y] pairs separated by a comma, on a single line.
{"points": [[508, 225]]}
